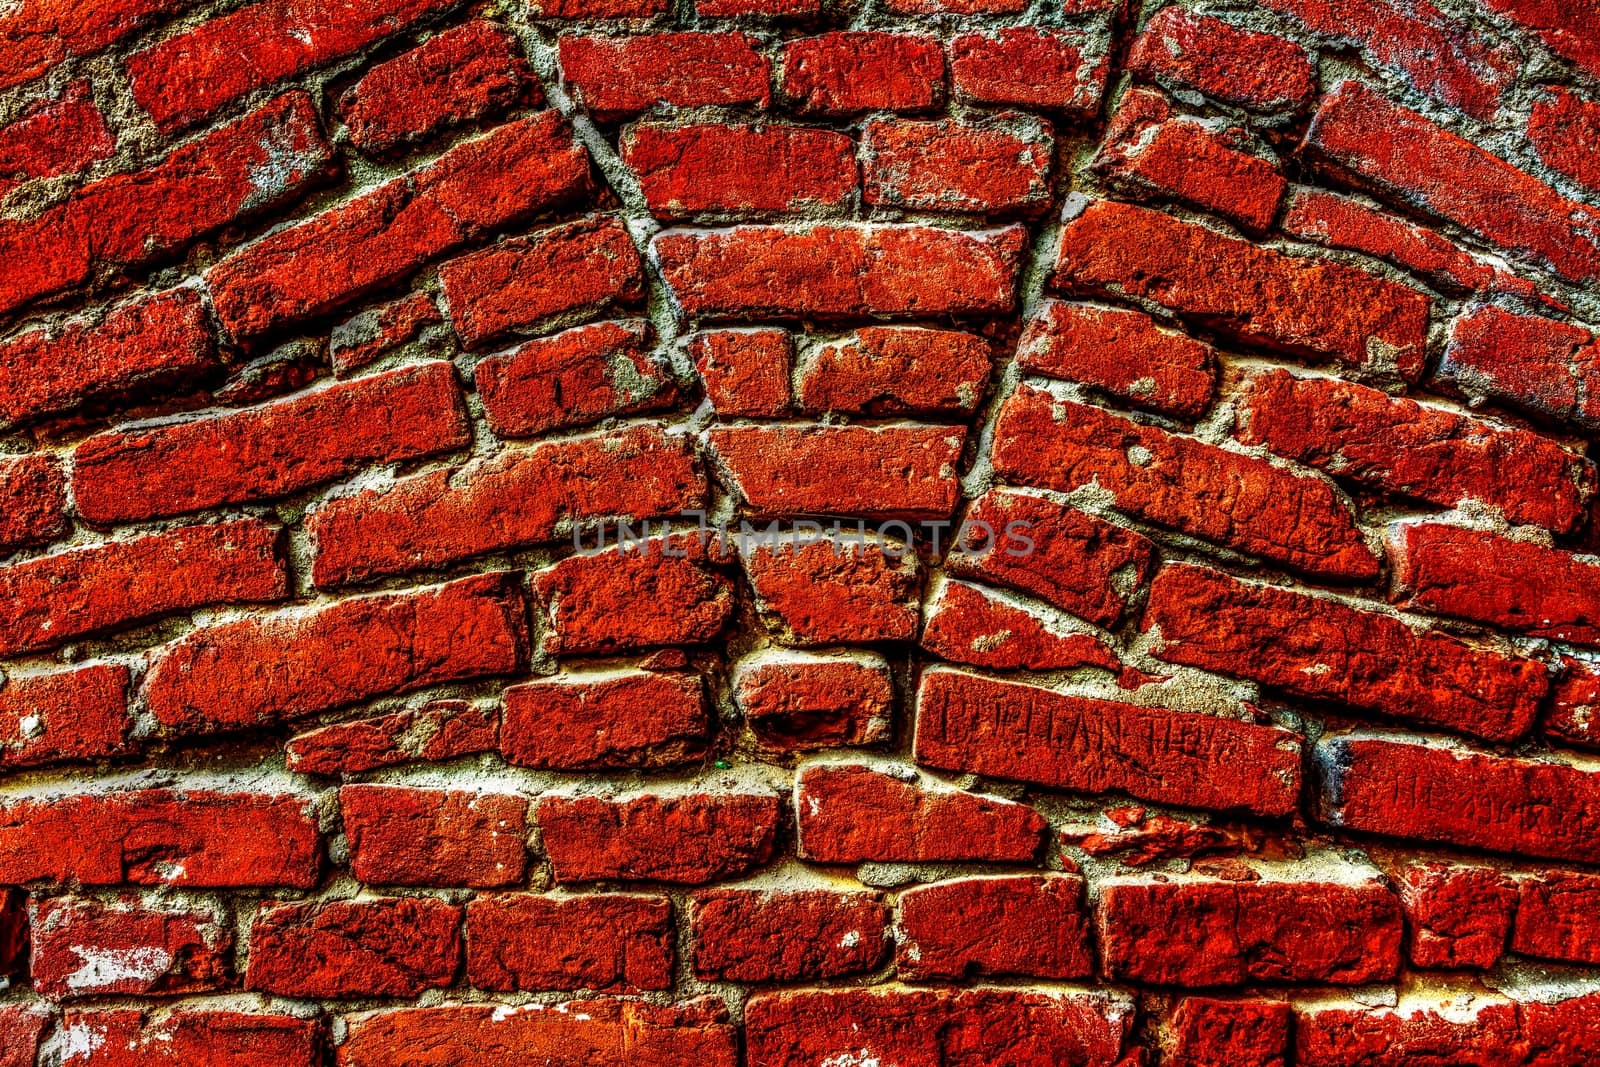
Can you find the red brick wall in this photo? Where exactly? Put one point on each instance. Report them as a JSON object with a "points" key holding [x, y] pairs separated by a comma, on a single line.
{"points": [[1264, 732]]}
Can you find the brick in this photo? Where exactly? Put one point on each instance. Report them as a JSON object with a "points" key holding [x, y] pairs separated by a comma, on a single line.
{"points": [[631, 597], [64, 716], [1336, 221], [1227, 63], [686, 838], [1574, 701], [745, 372], [1422, 792], [122, 1038], [147, 345], [145, 217], [1308, 308], [791, 9], [1028, 926], [1057, 70], [853, 814], [598, 9], [58, 137], [1202, 1032], [1568, 31], [438, 730], [740, 170], [802, 701], [14, 933], [1367, 141], [834, 271], [33, 501], [193, 75], [1323, 649], [603, 941], [1068, 558], [1124, 353], [935, 1028], [1173, 480], [1532, 364], [40, 35], [585, 721], [22, 1028], [83, 948], [617, 77], [577, 377], [847, 72], [896, 370], [270, 451], [995, 167], [459, 76], [597, 1031], [374, 333], [1459, 917], [890, 472], [1152, 150], [977, 626], [303, 661], [196, 838], [1425, 453], [1555, 918], [394, 947], [521, 285], [959, 7], [1564, 129], [818, 590], [1436, 54], [1495, 1032], [434, 837], [390, 231], [521, 497], [1483, 576], [1010, 730], [750, 935], [49, 601], [1200, 932]]}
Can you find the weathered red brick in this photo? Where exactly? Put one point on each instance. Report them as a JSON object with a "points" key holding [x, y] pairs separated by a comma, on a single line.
{"points": [[459, 76], [1574, 715], [521, 497], [303, 661], [62, 136], [1073, 560], [579, 376], [1303, 307], [615, 77], [388, 232], [51, 600], [1176, 481], [975, 625], [522, 284], [193, 75], [1410, 789], [1202, 1032], [1030, 926], [1237, 66], [994, 167], [196, 838], [924, 1028], [33, 501], [1002, 729], [14, 933], [1323, 649], [1361, 138], [83, 948], [1459, 917], [746, 372], [962, 7], [740, 169], [800, 701], [1059, 70], [404, 836], [751, 935], [1341, 222], [374, 333], [1493, 1033], [841, 270], [846, 72], [64, 716], [609, 719], [272, 450], [22, 1028], [890, 472], [39, 34], [390, 947], [123, 1038], [599, 1032], [149, 344], [686, 838], [1556, 917], [438, 730], [1536, 365], [853, 814], [896, 370], [1200, 932], [1123, 352], [1566, 29], [1564, 128], [818, 590], [601, 941]]}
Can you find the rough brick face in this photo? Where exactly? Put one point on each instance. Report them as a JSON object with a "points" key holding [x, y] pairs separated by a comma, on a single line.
{"points": [[393, 948], [1033, 926], [404, 836], [610, 719], [753, 936], [688, 839], [600, 941], [78, 942]]}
